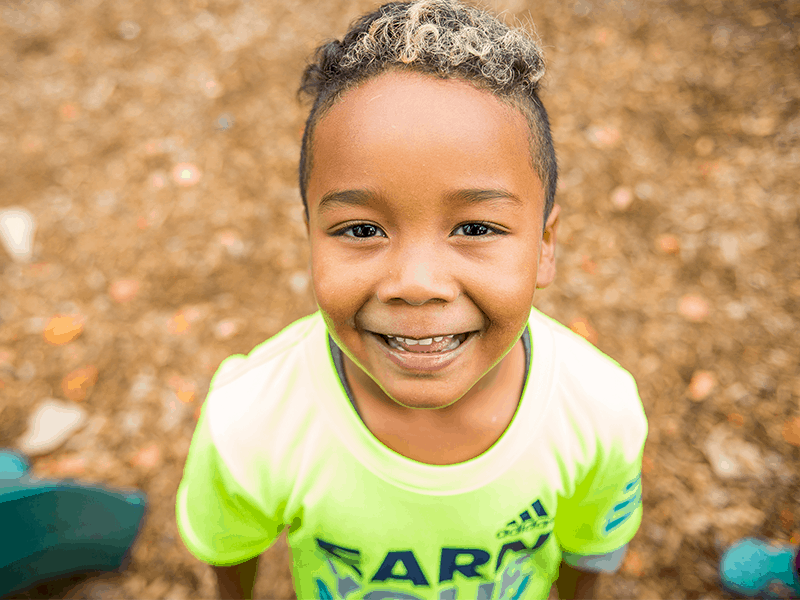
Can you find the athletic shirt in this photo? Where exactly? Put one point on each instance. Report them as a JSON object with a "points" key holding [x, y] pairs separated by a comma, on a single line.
{"points": [[279, 444]]}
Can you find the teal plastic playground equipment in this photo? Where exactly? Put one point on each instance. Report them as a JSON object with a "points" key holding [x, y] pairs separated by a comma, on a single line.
{"points": [[53, 529]]}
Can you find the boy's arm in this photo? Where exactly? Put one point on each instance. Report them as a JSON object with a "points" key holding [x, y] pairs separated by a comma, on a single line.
{"points": [[236, 581], [574, 584]]}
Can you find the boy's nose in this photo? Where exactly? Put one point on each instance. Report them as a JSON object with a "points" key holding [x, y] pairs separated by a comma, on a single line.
{"points": [[417, 278]]}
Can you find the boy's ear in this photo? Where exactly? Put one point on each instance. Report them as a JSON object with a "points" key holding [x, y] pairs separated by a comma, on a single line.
{"points": [[547, 258]]}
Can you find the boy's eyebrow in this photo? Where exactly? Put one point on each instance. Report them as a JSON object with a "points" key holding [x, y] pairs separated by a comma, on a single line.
{"points": [[475, 196], [343, 198], [362, 198]]}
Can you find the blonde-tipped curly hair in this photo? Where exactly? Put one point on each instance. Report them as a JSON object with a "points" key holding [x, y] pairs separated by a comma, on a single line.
{"points": [[443, 38]]}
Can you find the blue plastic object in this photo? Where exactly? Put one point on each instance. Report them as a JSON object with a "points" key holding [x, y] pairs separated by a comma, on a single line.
{"points": [[53, 529], [754, 568]]}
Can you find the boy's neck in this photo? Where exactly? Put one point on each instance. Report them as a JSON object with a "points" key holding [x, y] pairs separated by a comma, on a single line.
{"points": [[453, 434]]}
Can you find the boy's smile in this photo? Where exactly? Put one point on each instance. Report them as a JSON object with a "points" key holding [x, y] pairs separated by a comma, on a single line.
{"points": [[426, 222]]}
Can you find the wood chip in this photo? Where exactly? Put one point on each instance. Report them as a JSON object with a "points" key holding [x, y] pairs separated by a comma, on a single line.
{"points": [[62, 329], [124, 290], [693, 308], [584, 329], [78, 384], [701, 386]]}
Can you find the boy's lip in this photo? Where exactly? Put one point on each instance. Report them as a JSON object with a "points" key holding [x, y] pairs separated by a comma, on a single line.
{"points": [[422, 361]]}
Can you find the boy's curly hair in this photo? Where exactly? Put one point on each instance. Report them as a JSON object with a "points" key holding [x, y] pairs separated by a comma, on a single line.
{"points": [[443, 38]]}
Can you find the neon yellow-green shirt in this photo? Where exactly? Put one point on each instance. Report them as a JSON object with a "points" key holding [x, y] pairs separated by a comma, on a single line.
{"points": [[280, 444]]}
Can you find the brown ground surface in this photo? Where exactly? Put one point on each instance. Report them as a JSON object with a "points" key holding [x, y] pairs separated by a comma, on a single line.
{"points": [[677, 128]]}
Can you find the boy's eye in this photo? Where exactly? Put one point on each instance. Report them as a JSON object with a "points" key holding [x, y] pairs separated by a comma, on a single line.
{"points": [[360, 230], [477, 229]]}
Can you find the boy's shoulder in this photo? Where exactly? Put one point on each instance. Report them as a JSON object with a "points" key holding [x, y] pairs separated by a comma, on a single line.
{"points": [[277, 371], [261, 404], [580, 368], [573, 348], [591, 393], [268, 354]]}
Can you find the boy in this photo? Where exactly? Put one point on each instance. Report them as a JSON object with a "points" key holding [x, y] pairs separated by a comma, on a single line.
{"points": [[426, 433]]}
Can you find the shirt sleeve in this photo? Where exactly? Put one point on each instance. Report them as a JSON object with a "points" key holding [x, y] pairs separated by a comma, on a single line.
{"points": [[597, 563], [605, 510], [219, 522]]}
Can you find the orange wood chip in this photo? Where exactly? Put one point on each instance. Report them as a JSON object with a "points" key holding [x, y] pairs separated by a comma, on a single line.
{"points": [[583, 329], [147, 457], [668, 244], [69, 112], [124, 290], [647, 464], [633, 564], [78, 384], [606, 136], [621, 198], [6, 357], [693, 307], [184, 389], [702, 384], [43, 467], [791, 431], [62, 329], [69, 466], [178, 324], [787, 518], [736, 420]]}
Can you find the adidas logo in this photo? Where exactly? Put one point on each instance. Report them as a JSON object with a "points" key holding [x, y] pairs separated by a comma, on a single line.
{"points": [[528, 520]]}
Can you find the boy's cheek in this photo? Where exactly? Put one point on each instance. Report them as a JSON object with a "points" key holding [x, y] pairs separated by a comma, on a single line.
{"points": [[338, 294], [339, 279]]}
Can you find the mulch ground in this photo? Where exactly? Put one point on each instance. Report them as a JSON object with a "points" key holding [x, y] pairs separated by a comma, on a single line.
{"points": [[156, 143]]}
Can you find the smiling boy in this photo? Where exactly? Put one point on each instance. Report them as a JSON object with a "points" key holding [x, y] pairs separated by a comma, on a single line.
{"points": [[425, 221], [427, 433]]}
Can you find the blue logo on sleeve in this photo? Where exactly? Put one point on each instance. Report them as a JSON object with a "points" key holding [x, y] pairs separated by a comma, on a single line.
{"points": [[621, 512]]}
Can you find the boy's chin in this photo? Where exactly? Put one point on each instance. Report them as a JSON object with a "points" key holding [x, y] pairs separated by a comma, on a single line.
{"points": [[407, 399]]}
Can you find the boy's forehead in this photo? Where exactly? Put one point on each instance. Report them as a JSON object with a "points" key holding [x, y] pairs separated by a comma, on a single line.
{"points": [[415, 136], [411, 111], [412, 95]]}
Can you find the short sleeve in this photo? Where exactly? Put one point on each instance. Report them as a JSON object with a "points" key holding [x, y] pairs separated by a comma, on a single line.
{"points": [[597, 563], [605, 510], [219, 522]]}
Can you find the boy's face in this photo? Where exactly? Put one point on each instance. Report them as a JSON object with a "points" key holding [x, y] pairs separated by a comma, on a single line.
{"points": [[400, 165]]}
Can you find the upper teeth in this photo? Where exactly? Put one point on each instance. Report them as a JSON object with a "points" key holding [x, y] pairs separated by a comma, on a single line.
{"points": [[424, 342]]}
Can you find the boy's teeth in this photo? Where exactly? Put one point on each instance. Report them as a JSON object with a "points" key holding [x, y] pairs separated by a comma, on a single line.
{"points": [[432, 344], [422, 342]]}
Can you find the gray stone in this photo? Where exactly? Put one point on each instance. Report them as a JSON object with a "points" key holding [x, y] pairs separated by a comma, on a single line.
{"points": [[52, 424], [731, 457]]}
